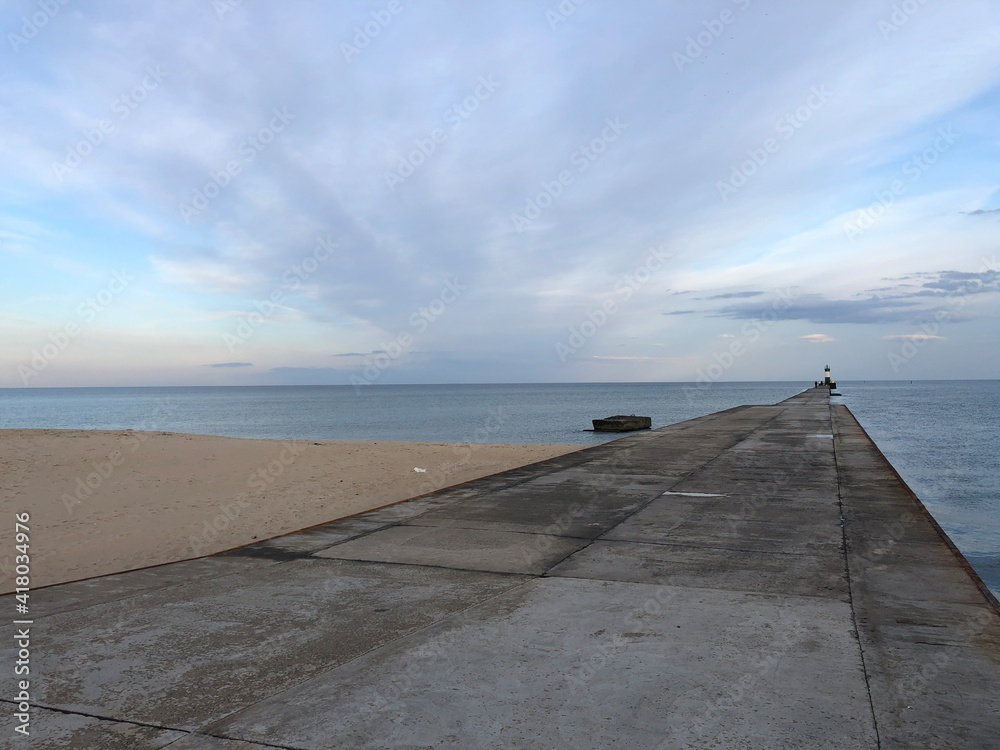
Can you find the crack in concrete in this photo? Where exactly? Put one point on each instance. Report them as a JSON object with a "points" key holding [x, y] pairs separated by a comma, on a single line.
{"points": [[850, 587]]}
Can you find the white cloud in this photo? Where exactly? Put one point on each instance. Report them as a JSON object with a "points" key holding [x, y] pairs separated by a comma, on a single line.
{"points": [[216, 277], [914, 337]]}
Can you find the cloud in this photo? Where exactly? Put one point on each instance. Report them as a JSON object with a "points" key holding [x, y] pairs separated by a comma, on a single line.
{"points": [[231, 364], [816, 308], [903, 303], [960, 282], [818, 338], [982, 212], [215, 276], [627, 359], [733, 295], [914, 337]]}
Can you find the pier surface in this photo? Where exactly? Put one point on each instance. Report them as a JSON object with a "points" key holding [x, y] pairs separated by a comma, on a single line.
{"points": [[755, 578]]}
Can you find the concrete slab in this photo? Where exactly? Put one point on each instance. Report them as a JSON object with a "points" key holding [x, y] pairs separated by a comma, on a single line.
{"points": [[184, 656], [57, 730], [785, 488], [708, 567], [625, 480], [760, 522], [205, 742], [753, 524], [692, 444], [461, 549], [574, 510], [106, 589], [401, 511], [586, 664], [302, 543]]}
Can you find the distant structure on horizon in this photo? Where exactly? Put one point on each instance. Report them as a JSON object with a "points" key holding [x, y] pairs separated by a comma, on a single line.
{"points": [[827, 380]]}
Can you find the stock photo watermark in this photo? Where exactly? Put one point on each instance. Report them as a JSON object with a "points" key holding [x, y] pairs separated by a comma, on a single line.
{"points": [[601, 655], [259, 480], [454, 117], [909, 687], [624, 289], [22, 634], [541, 543], [913, 169], [122, 106], [248, 150], [60, 339], [87, 484], [581, 158], [562, 12], [364, 33], [440, 477], [914, 343], [734, 694], [33, 24], [419, 321], [750, 333], [401, 682], [786, 127], [713, 29], [900, 16], [292, 280], [224, 7]]}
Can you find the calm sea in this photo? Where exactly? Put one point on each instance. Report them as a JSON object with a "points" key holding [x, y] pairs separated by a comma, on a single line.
{"points": [[942, 436]]}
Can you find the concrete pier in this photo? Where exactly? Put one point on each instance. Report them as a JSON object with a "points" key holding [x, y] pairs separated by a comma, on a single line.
{"points": [[756, 578]]}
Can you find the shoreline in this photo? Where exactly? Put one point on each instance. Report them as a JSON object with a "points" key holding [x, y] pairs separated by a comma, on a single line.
{"points": [[107, 501]]}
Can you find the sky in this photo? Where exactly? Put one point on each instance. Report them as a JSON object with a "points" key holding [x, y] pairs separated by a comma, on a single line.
{"points": [[237, 192]]}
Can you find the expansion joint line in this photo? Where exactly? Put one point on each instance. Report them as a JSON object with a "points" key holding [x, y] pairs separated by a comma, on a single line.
{"points": [[742, 439], [850, 583], [186, 733]]}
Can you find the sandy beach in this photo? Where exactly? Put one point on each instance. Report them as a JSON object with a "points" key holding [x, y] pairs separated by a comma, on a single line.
{"points": [[104, 501]]}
